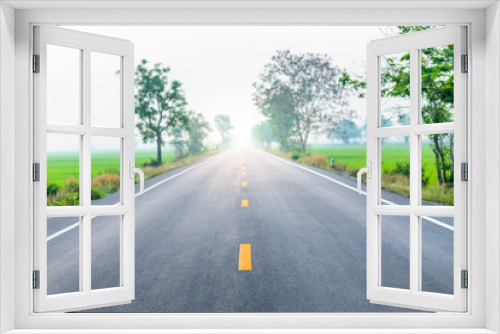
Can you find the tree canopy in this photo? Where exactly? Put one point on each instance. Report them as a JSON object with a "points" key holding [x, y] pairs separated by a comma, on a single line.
{"points": [[301, 95], [223, 124], [437, 89], [159, 104]]}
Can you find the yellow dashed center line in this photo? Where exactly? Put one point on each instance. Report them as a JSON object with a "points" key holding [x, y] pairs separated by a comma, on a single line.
{"points": [[244, 203], [244, 173], [245, 262], [244, 184]]}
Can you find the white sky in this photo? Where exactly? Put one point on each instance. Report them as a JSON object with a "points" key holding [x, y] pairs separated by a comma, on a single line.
{"points": [[218, 65]]}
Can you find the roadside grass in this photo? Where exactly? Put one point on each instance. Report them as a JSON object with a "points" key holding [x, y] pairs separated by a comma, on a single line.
{"points": [[63, 173], [350, 158]]}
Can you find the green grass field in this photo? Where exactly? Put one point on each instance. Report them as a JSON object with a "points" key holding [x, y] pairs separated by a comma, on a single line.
{"points": [[354, 156], [63, 166]]}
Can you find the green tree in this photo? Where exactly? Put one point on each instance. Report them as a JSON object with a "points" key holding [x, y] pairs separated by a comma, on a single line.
{"points": [[310, 82], [198, 132], [345, 130], [278, 108], [223, 124], [159, 104], [262, 134], [437, 94], [179, 140]]}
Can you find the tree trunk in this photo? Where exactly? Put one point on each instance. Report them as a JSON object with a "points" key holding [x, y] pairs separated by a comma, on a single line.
{"points": [[452, 156], [302, 143], [158, 150], [437, 153]]}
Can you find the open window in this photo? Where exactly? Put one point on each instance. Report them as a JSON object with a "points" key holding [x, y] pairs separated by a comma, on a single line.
{"points": [[414, 226], [83, 106]]}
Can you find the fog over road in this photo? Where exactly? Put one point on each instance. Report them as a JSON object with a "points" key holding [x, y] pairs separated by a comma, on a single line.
{"points": [[307, 237]]}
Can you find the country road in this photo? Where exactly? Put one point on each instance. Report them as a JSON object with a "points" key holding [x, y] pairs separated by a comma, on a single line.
{"points": [[307, 235]]}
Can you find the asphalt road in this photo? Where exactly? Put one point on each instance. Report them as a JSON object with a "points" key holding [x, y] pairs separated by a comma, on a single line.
{"points": [[307, 236]]}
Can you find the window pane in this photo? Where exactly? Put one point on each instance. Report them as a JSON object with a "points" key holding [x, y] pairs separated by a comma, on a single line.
{"points": [[395, 90], [438, 169], [63, 85], [63, 169], [105, 252], [105, 90], [395, 251], [437, 84], [395, 168], [437, 254], [105, 170], [63, 255]]}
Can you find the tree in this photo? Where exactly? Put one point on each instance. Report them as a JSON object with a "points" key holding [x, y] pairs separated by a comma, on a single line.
{"points": [[309, 81], [345, 130], [279, 110], [188, 138], [437, 94], [262, 134], [179, 141], [198, 132], [159, 103], [223, 124]]}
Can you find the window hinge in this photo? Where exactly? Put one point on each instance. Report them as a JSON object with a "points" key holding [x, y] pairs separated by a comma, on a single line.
{"points": [[36, 279], [465, 279], [36, 63], [465, 171], [36, 172], [465, 64]]}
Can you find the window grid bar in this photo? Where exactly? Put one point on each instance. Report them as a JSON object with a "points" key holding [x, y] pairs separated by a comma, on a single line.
{"points": [[83, 130], [418, 129], [414, 167], [86, 175]]}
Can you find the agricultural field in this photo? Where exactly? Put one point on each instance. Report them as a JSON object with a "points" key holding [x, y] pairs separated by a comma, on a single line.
{"points": [[350, 158], [64, 166], [354, 156]]}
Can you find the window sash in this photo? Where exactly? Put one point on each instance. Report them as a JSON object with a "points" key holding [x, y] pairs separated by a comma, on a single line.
{"points": [[86, 297], [414, 298]]}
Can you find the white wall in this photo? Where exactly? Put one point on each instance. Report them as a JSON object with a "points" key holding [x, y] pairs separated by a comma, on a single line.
{"points": [[7, 160], [478, 161]]}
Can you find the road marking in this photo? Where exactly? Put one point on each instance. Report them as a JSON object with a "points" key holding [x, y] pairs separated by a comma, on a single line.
{"points": [[244, 184], [75, 225], [244, 173], [342, 184], [245, 262], [244, 203], [243, 167]]}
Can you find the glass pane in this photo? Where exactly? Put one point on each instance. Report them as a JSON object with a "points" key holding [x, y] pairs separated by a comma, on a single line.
{"points": [[105, 170], [63, 255], [105, 252], [438, 169], [395, 169], [395, 251], [105, 90], [395, 90], [63, 85], [437, 84], [437, 254], [63, 169]]}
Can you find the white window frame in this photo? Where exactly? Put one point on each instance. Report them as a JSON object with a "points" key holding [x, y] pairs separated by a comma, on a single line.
{"points": [[483, 49], [415, 296], [86, 297]]}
